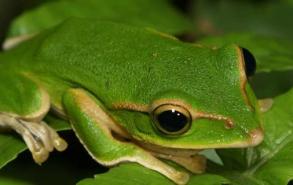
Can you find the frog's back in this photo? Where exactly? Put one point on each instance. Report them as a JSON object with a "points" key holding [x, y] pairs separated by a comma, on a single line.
{"points": [[118, 62]]}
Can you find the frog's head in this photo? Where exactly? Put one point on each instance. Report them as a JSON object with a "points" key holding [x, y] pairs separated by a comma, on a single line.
{"points": [[197, 104]]}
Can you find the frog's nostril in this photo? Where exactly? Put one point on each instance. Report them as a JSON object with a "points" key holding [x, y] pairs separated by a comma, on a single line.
{"points": [[256, 136]]}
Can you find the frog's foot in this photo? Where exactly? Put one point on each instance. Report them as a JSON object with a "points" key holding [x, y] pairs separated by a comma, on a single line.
{"points": [[146, 159], [38, 136], [195, 163]]}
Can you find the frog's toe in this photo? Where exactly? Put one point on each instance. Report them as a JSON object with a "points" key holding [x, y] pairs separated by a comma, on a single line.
{"points": [[40, 133], [40, 156], [60, 144], [41, 140], [57, 142], [39, 152]]}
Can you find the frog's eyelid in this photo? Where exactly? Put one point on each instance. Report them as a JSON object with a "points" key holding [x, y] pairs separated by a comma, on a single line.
{"points": [[195, 114]]}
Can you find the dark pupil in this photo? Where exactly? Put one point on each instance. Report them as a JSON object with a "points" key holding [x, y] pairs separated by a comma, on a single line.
{"points": [[250, 63], [172, 120]]}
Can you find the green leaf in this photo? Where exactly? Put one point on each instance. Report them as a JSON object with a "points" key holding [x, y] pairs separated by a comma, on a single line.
{"points": [[129, 174], [152, 13], [10, 147], [208, 179], [275, 154]]}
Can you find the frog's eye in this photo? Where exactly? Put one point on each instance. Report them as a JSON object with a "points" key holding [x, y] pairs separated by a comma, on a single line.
{"points": [[172, 119], [250, 64]]}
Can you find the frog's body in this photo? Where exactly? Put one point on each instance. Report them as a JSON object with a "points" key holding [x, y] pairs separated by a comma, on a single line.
{"points": [[109, 80]]}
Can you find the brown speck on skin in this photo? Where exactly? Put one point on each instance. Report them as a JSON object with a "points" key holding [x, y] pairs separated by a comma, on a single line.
{"points": [[229, 124]]}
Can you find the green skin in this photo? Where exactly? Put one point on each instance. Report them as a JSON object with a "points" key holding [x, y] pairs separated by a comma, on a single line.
{"points": [[108, 80]]}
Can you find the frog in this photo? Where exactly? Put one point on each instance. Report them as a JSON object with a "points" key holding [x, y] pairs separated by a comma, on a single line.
{"points": [[130, 94]]}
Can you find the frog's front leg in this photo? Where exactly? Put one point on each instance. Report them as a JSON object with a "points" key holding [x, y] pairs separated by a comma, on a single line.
{"points": [[38, 136], [94, 127], [23, 104]]}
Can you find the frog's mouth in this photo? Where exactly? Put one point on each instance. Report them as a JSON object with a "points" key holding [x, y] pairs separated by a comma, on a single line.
{"points": [[161, 150], [186, 158], [255, 138]]}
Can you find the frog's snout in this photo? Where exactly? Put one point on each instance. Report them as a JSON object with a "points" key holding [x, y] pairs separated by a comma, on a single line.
{"points": [[256, 136]]}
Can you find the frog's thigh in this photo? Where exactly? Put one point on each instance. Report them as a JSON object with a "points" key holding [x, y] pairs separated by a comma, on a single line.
{"points": [[22, 107], [93, 127]]}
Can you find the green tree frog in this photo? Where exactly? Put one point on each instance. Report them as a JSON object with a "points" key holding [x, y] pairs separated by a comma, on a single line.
{"points": [[131, 95]]}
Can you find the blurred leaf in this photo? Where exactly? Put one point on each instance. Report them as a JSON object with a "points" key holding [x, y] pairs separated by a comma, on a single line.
{"points": [[271, 18], [12, 181], [272, 84], [152, 13]]}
